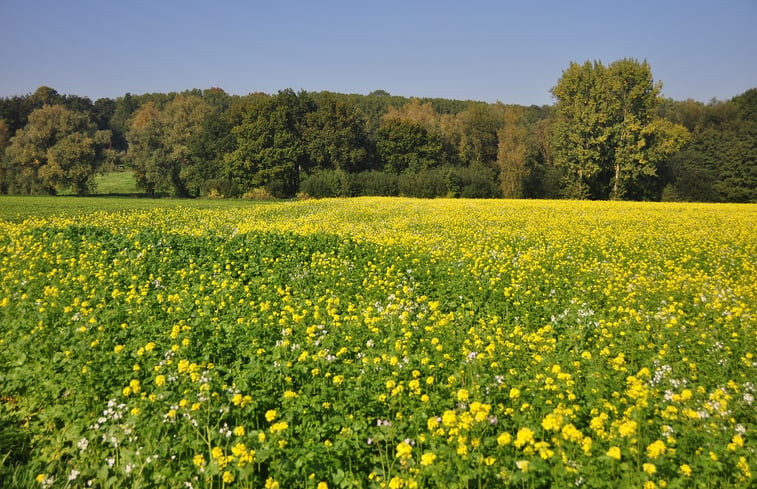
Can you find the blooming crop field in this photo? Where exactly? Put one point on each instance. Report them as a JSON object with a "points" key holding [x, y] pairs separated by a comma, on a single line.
{"points": [[381, 343]]}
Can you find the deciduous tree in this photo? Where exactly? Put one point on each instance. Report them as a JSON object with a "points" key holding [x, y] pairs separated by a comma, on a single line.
{"points": [[56, 150], [511, 153], [159, 145], [270, 150], [608, 134]]}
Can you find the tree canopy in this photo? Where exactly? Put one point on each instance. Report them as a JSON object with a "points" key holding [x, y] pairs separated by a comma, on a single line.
{"points": [[610, 135]]}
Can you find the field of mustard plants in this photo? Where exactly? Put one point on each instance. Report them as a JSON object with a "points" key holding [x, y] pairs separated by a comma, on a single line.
{"points": [[381, 343]]}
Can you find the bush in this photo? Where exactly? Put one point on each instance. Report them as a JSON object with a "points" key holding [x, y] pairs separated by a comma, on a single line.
{"points": [[258, 193], [219, 187], [377, 183], [474, 182], [425, 184], [320, 184]]}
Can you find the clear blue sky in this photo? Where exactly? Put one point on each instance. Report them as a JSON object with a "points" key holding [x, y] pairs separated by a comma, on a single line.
{"points": [[512, 51]]}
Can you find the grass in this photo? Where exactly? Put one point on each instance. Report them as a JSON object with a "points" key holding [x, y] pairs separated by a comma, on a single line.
{"points": [[116, 183], [18, 208]]}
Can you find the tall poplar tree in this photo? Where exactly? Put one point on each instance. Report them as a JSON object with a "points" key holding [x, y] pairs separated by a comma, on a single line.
{"points": [[608, 135], [511, 153]]}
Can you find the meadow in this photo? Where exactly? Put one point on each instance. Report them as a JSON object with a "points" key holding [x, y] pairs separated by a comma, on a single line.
{"points": [[376, 342]]}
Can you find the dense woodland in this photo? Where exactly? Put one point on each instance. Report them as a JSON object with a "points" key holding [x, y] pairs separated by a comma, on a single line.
{"points": [[610, 135]]}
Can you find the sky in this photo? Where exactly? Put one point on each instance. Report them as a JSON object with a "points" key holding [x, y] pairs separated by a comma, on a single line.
{"points": [[508, 51]]}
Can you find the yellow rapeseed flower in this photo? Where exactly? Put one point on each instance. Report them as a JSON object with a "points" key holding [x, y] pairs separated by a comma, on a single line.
{"points": [[428, 458], [404, 450], [655, 449], [614, 452]]}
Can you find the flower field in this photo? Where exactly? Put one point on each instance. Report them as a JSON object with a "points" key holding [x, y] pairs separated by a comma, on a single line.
{"points": [[381, 343]]}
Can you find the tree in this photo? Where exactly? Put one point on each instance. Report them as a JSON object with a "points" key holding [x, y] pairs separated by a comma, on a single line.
{"points": [[159, 145], [478, 140], [404, 145], [5, 136], [608, 135], [208, 147], [511, 153], [335, 137], [56, 150], [270, 150], [581, 130]]}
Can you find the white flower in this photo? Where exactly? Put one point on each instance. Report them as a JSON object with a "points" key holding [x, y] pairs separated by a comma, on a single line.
{"points": [[83, 444], [73, 475]]}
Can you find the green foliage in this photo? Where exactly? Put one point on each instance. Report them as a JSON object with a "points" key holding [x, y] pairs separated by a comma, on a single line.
{"points": [[404, 145], [58, 149], [512, 154], [478, 142], [335, 136], [160, 146], [269, 149], [377, 183], [608, 135], [438, 343], [425, 184], [718, 162]]}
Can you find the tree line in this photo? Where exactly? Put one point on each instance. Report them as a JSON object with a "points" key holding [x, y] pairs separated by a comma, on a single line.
{"points": [[609, 135]]}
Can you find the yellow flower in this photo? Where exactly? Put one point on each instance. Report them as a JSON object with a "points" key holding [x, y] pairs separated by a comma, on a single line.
{"points": [[239, 431], [552, 422], [271, 483], [281, 426], [199, 460], [522, 465], [118, 348], [239, 449], [523, 436], [160, 380], [428, 458], [514, 393], [686, 470], [270, 415], [627, 428], [649, 468], [503, 439], [462, 395], [614, 452], [449, 418], [322, 485], [396, 483], [655, 449], [404, 450], [228, 477], [736, 442]]}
